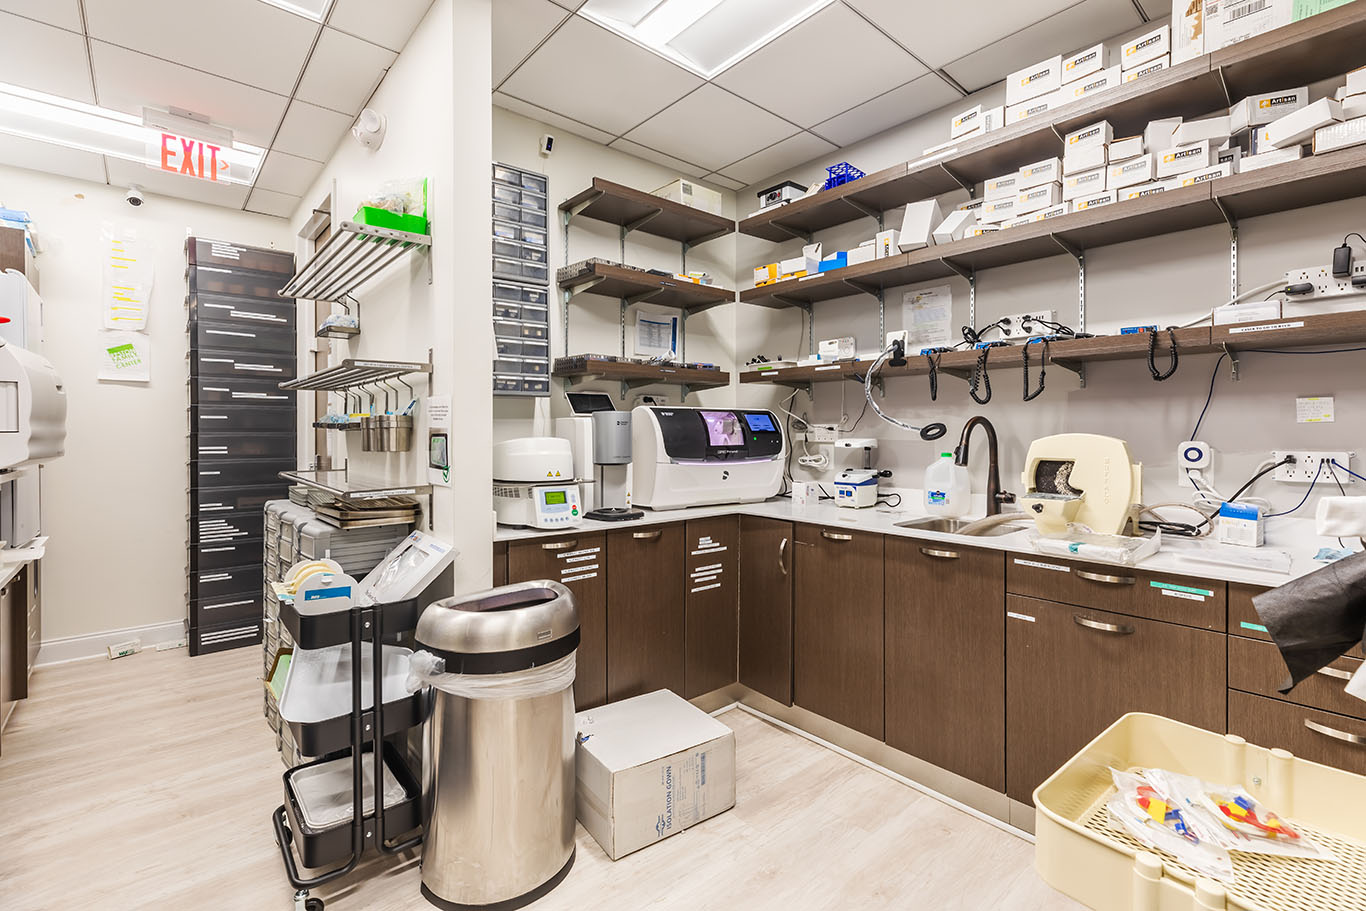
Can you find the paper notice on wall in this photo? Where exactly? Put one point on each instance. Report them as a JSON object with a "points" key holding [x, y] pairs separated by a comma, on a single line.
{"points": [[927, 316], [126, 280], [125, 357], [1314, 409], [656, 332]]}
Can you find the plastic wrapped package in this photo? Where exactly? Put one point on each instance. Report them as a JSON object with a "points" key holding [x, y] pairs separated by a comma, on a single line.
{"points": [[426, 669]]}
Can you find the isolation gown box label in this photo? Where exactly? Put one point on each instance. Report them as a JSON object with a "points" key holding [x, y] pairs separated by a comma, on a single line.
{"points": [[649, 767]]}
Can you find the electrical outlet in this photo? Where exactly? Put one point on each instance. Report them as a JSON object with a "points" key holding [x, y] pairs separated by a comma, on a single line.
{"points": [[1324, 284], [901, 335], [821, 433], [1306, 465], [1012, 326]]}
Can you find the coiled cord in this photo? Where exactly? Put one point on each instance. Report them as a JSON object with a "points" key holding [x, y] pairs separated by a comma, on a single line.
{"points": [[1043, 363], [980, 377], [1152, 351]]}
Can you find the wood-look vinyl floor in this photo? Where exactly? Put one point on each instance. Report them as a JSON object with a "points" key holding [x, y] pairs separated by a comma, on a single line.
{"points": [[148, 783]]}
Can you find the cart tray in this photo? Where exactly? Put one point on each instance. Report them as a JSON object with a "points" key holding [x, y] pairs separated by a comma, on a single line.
{"points": [[316, 703], [333, 628]]}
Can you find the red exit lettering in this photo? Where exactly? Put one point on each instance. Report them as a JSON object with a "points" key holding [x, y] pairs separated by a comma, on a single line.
{"points": [[191, 157]]}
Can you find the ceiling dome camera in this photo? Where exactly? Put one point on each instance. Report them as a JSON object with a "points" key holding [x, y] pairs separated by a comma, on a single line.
{"points": [[134, 196]]}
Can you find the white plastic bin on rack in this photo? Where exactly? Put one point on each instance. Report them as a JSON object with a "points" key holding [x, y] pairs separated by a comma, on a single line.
{"points": [[323, 791], [319, 684], [1078, 851]]}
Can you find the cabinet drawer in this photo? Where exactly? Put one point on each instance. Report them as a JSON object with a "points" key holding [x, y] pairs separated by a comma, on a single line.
{"points": [[276, 365], [233, 309], [237, 282], [211, 447], [206, 639], [1256, 667], [203, 252], [226, 473], [208, 557], [241, 418], [232, 390], [243, 335], [234, 499], [231, 608], [1173, 599], [1242, 616], [1334, 740], [712, 605], [226, 527], [224, 584]]}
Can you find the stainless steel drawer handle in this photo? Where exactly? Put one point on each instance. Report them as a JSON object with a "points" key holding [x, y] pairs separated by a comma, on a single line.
{"points": [[1335, 673], [940, 554], [1117, 628], [835, 536], [646, 535], [559, 545], [782, 556], [1326, 731], [1107, 580]]}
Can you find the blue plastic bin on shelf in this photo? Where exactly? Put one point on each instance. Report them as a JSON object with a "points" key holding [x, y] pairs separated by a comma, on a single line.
{"points": [[841, 173]]}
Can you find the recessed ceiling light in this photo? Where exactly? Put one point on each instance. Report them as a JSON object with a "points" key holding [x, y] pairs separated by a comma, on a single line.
{"points": [[704, 36], [309, 9], [73, 125]]}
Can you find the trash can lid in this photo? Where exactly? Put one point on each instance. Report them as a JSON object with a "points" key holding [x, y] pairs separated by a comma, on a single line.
{"points": [[512, 628]]}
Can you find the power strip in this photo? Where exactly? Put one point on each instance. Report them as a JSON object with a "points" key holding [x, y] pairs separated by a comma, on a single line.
{"points": [[1011, 330], [1322, 283], [1307, 465]]}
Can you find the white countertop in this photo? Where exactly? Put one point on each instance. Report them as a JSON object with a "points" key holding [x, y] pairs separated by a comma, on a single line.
{"points": [[1294, 536]]}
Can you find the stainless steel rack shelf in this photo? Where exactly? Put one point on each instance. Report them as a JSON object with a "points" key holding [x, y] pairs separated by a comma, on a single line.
{"points": [[348, 259], [338, 332], [354, 372], [345, 486]]}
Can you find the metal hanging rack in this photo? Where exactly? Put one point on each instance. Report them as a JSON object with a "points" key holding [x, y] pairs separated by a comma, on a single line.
{"points": [[350, 258]]}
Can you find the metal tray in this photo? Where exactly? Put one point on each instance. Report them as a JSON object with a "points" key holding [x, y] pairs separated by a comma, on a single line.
{"points": [[314, 631]]}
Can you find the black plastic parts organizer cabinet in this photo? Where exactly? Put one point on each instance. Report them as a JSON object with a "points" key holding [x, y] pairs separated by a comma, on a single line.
{"points": [[241, 430]]}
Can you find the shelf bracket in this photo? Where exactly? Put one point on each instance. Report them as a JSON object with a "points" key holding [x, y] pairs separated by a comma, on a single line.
{"points": [[1056, 132], [1223, 84], [699, 241], [574, 290], [576, 209], [1234, 365], [1077, 367], [1233, 247], [966, 185], [863, 287], [641, 222], [971, 276], [1080, 256], [875, 214], [642, 297], [795, 232]]}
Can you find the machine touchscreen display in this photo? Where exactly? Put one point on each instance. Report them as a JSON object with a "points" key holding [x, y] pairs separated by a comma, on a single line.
{"points": [[723, 428], [760, 423]]}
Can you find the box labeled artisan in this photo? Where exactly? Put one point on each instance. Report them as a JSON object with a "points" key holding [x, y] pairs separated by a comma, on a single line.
{"points": [[1091, 83], [1003, 187], [1148, 69], [1128, 173], [1179, 159], [1204, 175], [1035, 106], [1085, 183], [1093, 202], [1145, 47], [649, 767], [1124, 149], [1259, 110], [1040, 172], [1035, 198], [1077, 160], [1083, 63], [1034, 81]]}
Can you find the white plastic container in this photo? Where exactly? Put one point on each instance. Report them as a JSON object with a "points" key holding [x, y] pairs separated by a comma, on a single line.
{"points": [[948, 492]]}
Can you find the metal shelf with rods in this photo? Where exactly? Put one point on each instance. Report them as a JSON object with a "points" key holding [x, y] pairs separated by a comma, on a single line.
{"points": [[354, 372], [350, 258], [341, 484]]}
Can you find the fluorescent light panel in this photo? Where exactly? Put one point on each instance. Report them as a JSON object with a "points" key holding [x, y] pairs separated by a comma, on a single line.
{"points": [[704, 36], [309, 9], [87, 128]]}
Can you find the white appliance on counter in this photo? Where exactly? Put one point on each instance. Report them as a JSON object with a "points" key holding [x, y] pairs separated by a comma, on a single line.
{"points": [[534, 484], [705, 456]]}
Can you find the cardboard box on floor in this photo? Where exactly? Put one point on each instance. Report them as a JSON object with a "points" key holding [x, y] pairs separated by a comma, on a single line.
{"points": [[649, 767]]}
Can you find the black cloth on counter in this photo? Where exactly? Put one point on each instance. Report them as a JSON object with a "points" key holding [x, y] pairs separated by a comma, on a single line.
{"points": [[1317, 618]]}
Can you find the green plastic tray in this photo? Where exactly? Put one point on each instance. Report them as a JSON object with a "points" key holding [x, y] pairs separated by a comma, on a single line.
{"points": [[383, 218]]}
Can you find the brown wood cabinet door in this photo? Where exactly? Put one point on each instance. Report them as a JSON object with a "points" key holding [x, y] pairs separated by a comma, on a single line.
{"points": [[1257, 667], [1072, 671], [579, 563], [837, 631], [946, 657], [645, 625], [500, 564], [712, 604], [766, 555], [1310, 734]]}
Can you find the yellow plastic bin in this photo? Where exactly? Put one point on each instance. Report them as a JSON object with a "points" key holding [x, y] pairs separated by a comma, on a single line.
{"points": [[1078, 852]]}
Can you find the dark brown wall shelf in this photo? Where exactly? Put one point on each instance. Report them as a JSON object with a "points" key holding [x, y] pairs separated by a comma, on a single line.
{"points": [[639, 211], [632, 284], [1320, 47], [643, 374]]}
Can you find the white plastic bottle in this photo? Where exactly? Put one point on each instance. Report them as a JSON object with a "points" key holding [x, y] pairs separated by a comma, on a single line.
{"points": [[948, 492]]}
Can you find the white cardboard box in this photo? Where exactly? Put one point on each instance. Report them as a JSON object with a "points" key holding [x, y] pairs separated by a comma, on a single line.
{"points": [[648, 767], [1043, 196], [1061, 208], [1131, 172], [1179, 159], [1091, 83], [865, 252], [955, 225], [885, 243], [972, 205], [1216, 128], [1267, 159], [1188, 30], [1086, 159], [1149, 46], [1259, 110], [1034, 81], [1340, 135], [1214, 172], [1145, 189], [1040, 172], [1353, 106], [1298, 127], [1147, 69], [1084, 63], [1092, 202], [1124, 149], [1003, 187], [1356, 81], [994, 118], [1160, 134], [995, 211], [918, 224], [1086, 183], [1097, 134], [692, 194], [1016, 222], [1228, 23], [1033, 107], [966, 122], [979, 230]]}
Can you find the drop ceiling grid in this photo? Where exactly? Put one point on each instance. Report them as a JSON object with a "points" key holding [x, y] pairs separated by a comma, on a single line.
{"points": [[1057, 16]]}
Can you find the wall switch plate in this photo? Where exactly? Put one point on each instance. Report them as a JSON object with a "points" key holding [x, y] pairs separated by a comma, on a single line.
{"points": [[1307, 465], [1012, 327], [1324, 283], [821, 433]]}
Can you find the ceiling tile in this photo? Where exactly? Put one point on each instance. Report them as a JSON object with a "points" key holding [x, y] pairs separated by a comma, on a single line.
{"points": [[310, 131], [828, 64], [41, 156], [940, 32], [44, 58], [285, 173], [126, 173], [550, 118], [343, 71], [268, 202], [245, 40], [711, 127], [389, 24], [1086, 23], [1156, 9], [781, 157], [518, 26], [127, 81], [722, 180], [595, 77], [62, 13], [911, 100], [682, 167], [570, 4]]}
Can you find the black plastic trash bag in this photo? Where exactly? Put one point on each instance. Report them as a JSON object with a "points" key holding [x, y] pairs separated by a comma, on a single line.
{"points": [[1317, 618]]}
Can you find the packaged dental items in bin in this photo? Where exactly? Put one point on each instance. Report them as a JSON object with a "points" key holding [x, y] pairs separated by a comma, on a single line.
{"points": [[400, 205]]}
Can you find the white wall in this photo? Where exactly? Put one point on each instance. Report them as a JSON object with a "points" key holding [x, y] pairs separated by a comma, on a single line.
{"points": [[1164, 280], [594, 320], [115, 504]]}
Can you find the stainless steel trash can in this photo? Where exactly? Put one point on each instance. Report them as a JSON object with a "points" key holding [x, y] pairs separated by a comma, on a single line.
{"points": [[499, 798]]}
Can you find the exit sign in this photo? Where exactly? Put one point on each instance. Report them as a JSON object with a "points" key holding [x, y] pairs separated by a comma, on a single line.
{"points": [[191, 157]]}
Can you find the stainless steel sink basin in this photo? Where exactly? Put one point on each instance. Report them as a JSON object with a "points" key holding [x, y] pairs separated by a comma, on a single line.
{"points": [[956, 526]]}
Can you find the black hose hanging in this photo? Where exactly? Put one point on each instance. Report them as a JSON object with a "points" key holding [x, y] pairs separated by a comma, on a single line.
{"points": [[1043, 363], [1152, 351], [979, 376], [933, 360]]}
